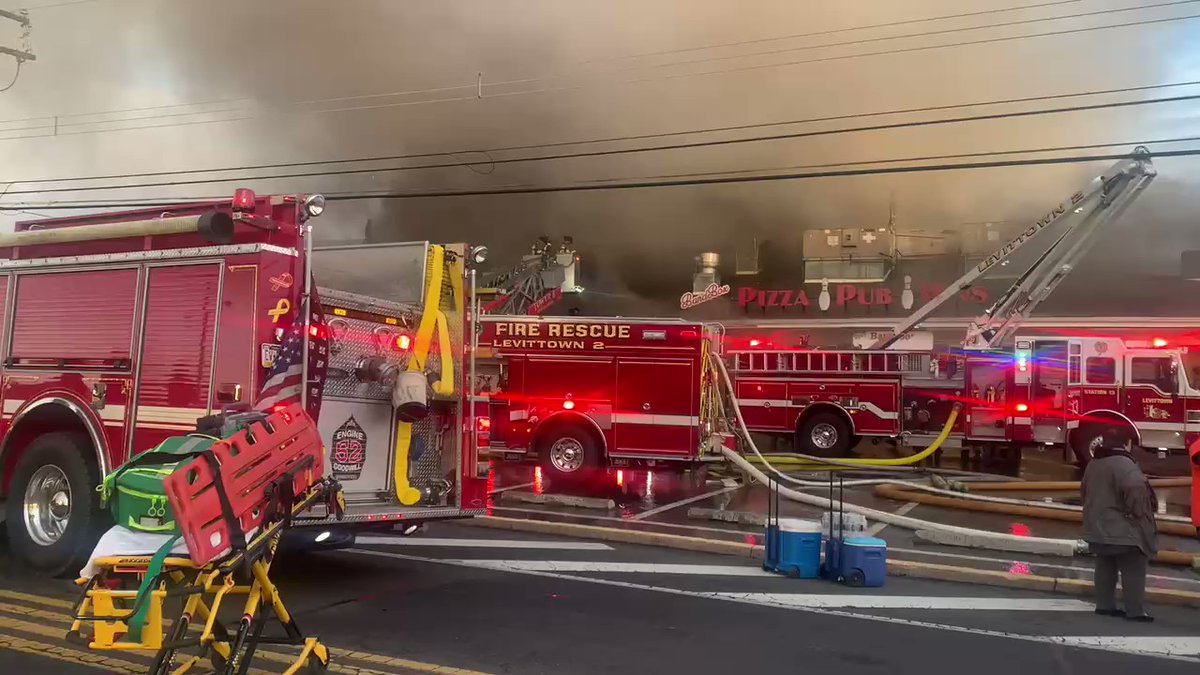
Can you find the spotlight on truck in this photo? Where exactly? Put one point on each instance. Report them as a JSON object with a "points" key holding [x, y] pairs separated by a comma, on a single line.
{"points": [[314, 205], [478, 255]]}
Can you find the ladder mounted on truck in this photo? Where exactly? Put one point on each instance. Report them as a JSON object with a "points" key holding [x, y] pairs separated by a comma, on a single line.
{"points": [[536, 283], [1104, 199], [870, 362]]}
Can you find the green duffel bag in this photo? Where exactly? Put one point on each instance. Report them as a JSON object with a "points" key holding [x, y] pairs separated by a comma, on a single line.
{"points": [[134, 492]]}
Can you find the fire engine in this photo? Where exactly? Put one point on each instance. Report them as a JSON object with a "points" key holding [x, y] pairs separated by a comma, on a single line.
{"points": [[121, 329], [1057, 391], [577, 393]]}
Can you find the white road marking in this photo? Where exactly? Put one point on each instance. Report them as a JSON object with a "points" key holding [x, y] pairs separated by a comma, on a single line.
{"points": [[620, 567], [485, 543], [902, 511], [1010, 561], [1079, 642], [914, 602], [683, 502], [1154, 646]]}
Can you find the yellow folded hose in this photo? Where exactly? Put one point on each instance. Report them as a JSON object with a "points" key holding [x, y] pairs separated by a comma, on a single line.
{"points": [[430, 313]]}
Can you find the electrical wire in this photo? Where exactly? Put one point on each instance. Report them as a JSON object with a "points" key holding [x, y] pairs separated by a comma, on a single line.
{"points": [[852, 43], [15, 77], [534, 189], [467, 86], [620, 151], [834, 31], [488, 152], [58, 125]]}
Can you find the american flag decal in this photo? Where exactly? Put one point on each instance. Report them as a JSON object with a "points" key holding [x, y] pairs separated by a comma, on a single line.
{"points": [[283, 382]]}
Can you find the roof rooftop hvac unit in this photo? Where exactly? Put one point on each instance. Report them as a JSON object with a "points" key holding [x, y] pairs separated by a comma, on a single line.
{"points": [[746, 260], [848, 255], [706, 273]]}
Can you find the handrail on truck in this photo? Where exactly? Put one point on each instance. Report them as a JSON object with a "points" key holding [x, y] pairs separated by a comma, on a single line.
{"points": [[1105, 198]]}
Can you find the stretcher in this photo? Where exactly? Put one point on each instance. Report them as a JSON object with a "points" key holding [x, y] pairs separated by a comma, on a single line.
{"points": [[233, 506]]}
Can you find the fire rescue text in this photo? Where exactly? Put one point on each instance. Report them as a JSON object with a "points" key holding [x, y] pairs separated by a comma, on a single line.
{"points": [[520, 335]]}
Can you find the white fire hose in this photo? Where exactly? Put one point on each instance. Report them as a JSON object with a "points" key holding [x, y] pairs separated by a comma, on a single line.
{"points": [[929, 530]]}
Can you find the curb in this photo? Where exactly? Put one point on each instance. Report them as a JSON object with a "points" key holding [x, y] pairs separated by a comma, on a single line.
{"points": [[697, 544], [899, 568]]}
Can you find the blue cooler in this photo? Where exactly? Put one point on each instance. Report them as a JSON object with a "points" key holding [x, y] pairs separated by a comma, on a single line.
{"points": [[863, 561], [794, 548]]}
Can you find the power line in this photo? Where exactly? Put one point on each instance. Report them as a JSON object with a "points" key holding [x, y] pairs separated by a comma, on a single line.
{"points": [[644, 184], [16, 76], [796, 36], [850, 43], [907, 50], [472, 86], [622, 151], [58, 126]]}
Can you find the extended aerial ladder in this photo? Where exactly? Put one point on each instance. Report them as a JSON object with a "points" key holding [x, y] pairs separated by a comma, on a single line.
{"points": [[1104, 199], [536, 283]]}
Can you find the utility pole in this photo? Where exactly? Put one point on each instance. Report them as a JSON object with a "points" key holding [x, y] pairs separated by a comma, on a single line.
{"points": [[22, 52]]}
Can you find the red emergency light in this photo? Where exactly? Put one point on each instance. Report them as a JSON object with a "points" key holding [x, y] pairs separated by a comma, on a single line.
{"points": [[568, 404], [1158, 342], [754, 342], [1021, 407], [402, 343], [483, 424], [243, 200]]}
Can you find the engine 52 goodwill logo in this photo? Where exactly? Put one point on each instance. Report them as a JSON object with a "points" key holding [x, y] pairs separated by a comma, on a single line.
{"points": [[349, 450], [689, 300]]}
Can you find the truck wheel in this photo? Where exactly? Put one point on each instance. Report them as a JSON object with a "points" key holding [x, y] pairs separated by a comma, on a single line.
{"points": [[824, 435], [566, 450], [1084, 442], [53, 516]]}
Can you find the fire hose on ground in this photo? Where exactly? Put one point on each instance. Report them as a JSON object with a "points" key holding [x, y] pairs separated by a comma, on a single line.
{"points": [[932, 531]]}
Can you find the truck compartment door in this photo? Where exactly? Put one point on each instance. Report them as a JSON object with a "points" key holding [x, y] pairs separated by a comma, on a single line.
{"points": [[1048, 390], [656, 411], [175, 366], [987, 406], [1152, 399]]}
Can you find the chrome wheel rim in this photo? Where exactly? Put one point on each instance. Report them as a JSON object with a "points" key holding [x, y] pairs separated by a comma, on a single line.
{"points": [[47, 505], [824, 435], [566, 455]]}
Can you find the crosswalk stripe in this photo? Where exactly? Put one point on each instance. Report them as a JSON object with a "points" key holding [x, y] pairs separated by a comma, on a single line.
{"points": [[622, 567], [486, 543], [49, 619], [107, 664], [37, 599], [1170, 646], [913, 602]]}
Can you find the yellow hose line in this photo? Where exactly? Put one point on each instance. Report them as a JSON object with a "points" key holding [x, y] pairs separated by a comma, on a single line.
{"points": [[445, 385], [896, 461], [405, 492]]}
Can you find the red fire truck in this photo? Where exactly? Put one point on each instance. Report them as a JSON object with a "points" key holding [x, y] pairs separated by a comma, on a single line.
{"points": [[583, 392], [1040, 390], [121, 329]]}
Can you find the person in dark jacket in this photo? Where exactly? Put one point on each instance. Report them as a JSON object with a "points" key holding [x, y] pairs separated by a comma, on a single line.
{"points": [[1118, 524]]}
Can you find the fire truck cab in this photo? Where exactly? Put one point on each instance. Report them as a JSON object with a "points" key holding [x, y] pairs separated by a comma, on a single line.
{"points": [[118, 330], [577, 393]]}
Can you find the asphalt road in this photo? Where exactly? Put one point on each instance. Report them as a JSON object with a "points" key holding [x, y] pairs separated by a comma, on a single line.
{"points": [[468, 598]]}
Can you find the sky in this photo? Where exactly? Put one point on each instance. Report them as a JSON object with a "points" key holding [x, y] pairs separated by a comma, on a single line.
{"points": [[143, 86]]}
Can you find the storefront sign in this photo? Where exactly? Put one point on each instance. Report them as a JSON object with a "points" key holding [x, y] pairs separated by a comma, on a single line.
{"points": [[845, 295], [689, 300], [915, 340]]}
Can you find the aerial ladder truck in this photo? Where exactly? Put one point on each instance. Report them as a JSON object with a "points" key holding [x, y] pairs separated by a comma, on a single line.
{"points": [[1035, 390]]}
